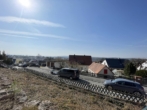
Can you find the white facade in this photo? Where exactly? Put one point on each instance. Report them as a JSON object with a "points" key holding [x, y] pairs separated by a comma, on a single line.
{"points": [[105, 63], [108, 72], [83, 68], [57, 64], [143, 66]]}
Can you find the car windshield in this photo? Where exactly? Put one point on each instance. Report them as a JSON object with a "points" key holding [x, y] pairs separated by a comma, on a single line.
{"points": [[113, 80]]}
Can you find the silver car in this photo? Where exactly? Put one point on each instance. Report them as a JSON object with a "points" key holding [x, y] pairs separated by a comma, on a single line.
{"points": [[125, 85]]}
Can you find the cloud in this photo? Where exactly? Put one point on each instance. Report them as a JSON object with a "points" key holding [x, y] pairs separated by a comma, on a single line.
{"points": [[19, 36], [11, 19], [31, 35]]}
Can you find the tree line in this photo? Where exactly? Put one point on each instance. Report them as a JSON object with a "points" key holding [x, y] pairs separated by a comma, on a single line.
{"points": [[5, 58], [130, 69]]}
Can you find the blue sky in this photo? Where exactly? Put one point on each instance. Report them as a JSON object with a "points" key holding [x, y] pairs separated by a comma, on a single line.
{"points": [[100, 28]]}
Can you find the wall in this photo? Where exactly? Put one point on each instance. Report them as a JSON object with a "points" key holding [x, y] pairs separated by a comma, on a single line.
{"points": [[83, 67], [108, 72]]}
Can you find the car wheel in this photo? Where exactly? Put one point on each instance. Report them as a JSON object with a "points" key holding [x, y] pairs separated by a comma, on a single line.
{"points": [[138, 94], [109, 87]]}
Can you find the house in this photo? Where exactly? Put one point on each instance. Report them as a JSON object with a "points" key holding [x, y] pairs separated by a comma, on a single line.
{"points": [[18, 60], [143, 66], [54, 64], [98, 69], [115, 63], [82, 61]]}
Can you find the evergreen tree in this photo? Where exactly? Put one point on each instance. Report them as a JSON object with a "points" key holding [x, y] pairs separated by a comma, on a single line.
{"points": [[3, 55], [130, 69]]}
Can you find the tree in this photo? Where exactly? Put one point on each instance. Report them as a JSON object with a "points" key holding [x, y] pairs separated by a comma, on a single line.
{"points": [[4, 55], [8, 61], [1, 57], [142, 73], [130, 69]]}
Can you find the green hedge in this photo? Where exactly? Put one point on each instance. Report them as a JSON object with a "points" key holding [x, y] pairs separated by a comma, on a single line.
{"points": [[142, 73]]}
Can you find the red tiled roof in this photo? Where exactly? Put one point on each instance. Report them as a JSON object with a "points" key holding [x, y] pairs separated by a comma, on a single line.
{"points": [[96, 67], [82, 60]]}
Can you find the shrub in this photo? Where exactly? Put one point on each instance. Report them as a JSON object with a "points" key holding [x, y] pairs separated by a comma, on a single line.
{"points": [[142, 73]]}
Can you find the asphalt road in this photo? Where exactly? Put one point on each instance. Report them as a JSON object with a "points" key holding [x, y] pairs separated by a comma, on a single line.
{"points": [[92, 80]]}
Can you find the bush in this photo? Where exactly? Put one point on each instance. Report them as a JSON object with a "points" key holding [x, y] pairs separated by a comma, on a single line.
{"points": [[142, 73]]}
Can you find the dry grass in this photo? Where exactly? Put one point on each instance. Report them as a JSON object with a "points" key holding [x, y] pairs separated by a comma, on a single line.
{"points": [[62, 98], [30, 108]]}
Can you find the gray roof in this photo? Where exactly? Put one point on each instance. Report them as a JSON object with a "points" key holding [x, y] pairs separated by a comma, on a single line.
{"points": [[116, 63]]}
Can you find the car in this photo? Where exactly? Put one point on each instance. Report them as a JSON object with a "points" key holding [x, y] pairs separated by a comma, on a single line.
{"points": [[54, 72], [34, 65], [3, 65], [125, 85], [69, 73]]}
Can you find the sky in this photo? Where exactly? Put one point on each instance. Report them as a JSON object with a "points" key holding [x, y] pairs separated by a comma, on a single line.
{"points": [[100, 28]]}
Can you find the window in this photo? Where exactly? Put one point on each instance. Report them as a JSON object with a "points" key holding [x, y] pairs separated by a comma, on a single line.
{"points": [[120, 82], [70, 71], [129, 84], [105, 71]]}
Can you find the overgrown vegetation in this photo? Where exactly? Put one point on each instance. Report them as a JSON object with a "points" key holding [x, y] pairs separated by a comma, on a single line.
{"points": [[142, 73], [5, 59]]}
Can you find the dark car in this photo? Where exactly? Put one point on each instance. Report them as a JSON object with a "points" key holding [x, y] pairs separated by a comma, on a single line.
{"points": [[34, 65], [125, 85], [70, 73]]}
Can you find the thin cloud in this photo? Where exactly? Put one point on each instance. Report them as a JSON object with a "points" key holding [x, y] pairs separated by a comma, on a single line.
{"points": [[19, 36], [11, 19], [29, 34]]}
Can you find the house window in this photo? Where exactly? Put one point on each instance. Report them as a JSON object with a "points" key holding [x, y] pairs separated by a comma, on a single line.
{"points": [[105, 71]]}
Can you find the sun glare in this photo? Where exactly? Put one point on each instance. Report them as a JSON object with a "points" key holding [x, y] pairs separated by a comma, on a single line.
{"points": [[25, 3]]}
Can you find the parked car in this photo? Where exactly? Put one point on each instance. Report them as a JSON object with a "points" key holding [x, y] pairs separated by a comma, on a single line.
{"points": [[70, 73], [34, 65], [125, 85], [54, 72], [3, 65]]}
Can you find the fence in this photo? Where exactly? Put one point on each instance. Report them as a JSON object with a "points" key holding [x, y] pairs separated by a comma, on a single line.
{"points": [[93, 88]]}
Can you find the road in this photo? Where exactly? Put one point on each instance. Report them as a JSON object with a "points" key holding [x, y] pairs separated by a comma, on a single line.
{"points": [[91, 80]]}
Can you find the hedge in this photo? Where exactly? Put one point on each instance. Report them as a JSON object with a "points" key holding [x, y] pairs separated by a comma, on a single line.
{"points": [[142, 73]]}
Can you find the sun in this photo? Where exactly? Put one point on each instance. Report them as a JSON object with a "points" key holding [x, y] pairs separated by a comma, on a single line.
{"points": [[25, 3]]}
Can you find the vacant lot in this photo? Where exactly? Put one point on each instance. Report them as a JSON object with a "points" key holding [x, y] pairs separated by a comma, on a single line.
{"points": [[46, 95]]}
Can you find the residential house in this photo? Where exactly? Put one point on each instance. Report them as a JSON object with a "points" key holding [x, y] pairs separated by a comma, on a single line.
{"points": [[143, 66], [98, 69], [54, 64], [18, 61], [83, 61], [115, 63]]}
